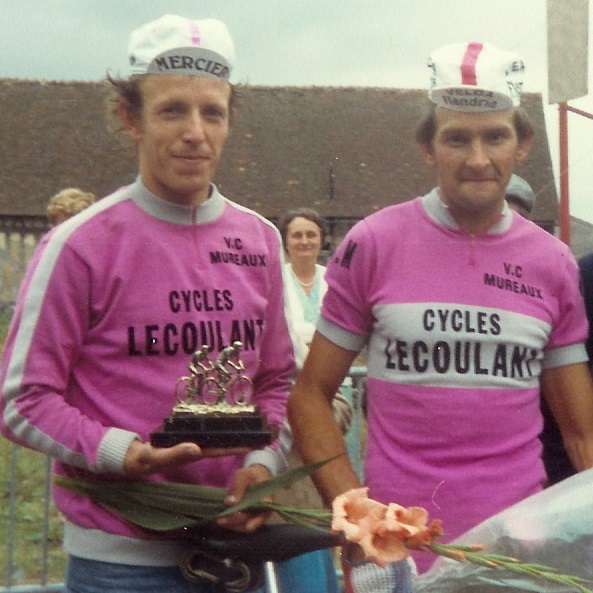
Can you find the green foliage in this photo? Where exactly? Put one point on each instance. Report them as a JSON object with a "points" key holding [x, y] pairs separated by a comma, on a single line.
{"points": [[23, 480], [474, 554], [4, 323], [164, 507]]}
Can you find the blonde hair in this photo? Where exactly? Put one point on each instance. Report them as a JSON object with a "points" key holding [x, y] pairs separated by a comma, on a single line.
{"points": [[67, 203]]}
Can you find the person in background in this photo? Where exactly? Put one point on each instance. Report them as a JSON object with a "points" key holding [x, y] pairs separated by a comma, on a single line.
{"points": [[520, 196], [565, 469], [116, 302], [304, 233], [67, 203], [586, 269], [464, 322]]}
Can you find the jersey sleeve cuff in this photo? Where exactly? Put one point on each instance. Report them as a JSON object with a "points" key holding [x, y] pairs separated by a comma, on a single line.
{"points": [[274, 460], [564, 355], [113, 449]]}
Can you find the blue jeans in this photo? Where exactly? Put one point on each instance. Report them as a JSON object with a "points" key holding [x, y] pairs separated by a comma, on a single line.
{"points": [[314, 572], [92, 576]]}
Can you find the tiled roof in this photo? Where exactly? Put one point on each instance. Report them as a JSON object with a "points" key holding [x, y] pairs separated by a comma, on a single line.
{"points": [[343, 151]]}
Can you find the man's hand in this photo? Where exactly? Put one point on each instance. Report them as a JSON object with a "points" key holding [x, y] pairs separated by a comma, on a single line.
{"points": [[245, 522], [143, 459]]}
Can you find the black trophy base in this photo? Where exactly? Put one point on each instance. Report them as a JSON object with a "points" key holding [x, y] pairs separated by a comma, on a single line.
{"points": [[243, 429]]}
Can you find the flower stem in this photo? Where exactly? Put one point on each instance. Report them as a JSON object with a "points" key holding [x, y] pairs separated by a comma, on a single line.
{"points": [[471, 554]]}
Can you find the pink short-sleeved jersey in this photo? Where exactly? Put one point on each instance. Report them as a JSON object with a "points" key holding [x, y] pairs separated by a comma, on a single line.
{"points": [[458, 329]]}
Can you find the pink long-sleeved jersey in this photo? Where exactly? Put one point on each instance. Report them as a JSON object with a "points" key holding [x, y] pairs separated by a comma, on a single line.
{"points": [[113, 305]]}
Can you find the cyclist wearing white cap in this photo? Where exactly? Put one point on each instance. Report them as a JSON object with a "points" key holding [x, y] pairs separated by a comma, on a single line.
{"points": [[118, 299], [467, 309]]}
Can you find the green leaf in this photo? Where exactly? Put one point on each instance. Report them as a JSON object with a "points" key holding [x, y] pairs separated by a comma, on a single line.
{"points": [[169, 506], [155, 506], [513, 565], [265, 489]]}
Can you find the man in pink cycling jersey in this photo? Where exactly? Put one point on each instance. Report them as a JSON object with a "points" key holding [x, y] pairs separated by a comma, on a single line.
{"points": [[467, 310], [118, 298]]}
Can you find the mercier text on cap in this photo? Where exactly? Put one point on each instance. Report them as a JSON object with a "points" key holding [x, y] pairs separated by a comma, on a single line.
{"points": [[475, 77], [176, 45]]}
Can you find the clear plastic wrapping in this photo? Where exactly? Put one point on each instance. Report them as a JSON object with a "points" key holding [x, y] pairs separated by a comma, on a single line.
{"points": [[553, 528]]}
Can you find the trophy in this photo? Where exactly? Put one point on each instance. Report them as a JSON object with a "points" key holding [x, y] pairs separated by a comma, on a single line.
{"points": [[214, 406]]}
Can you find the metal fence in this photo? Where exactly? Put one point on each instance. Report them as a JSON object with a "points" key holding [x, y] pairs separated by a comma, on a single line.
{"points": [[39, 551], [37, 547], [19, 237]]}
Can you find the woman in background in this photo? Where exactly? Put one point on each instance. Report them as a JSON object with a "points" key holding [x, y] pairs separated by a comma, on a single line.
{"points": [[303, 234], [66, 203]]}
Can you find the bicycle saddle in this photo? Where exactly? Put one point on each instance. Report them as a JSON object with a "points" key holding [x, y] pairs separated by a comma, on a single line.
{"points": [[274, 543]]}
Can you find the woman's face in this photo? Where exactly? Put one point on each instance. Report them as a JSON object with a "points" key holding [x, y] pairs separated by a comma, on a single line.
{"points": [[303, 239]]}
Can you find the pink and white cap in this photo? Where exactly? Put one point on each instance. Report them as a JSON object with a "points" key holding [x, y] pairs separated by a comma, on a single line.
{"points": [[475, 77], [176, 45]]}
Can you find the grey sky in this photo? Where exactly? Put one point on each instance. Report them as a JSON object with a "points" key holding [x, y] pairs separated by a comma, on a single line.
{"points": [[303, 43], [308, 42]]}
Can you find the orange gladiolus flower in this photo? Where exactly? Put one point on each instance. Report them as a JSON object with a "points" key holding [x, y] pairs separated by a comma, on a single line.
{"points": [[384, 532], [410, 523], [356, 514]]}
